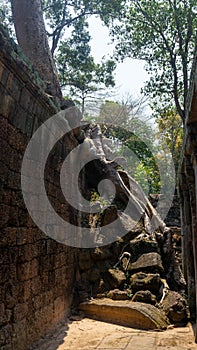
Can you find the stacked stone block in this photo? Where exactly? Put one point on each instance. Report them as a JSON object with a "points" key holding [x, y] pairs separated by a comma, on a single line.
{"points": [[36, 272]]}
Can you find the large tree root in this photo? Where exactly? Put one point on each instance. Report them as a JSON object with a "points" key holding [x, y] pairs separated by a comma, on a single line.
{"points": [[130, 193]]}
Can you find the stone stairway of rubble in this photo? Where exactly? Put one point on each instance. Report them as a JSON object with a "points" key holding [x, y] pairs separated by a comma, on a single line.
{"points": [[129, 283]]}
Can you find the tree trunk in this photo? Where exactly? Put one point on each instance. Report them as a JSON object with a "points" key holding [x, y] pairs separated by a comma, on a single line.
{"points": [[32, 38]]}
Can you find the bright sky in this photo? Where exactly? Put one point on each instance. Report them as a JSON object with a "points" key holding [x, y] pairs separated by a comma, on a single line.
{"points": [[129, 75]]}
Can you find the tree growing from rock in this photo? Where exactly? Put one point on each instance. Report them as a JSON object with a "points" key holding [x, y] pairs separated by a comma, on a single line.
{"points": [[74, 61], [32, 38]]}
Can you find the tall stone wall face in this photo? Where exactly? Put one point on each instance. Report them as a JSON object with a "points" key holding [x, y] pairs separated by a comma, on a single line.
{"points": [[36, 272], [188, 193]]}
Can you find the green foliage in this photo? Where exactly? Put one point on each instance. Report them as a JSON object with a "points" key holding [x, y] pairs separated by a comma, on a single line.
{"points": [[139, 150], [6, 16], [123, 113], [133, 139], [147, 175], [171, 131], [78, 71], [94, 196], [61, 14], [113, 113], [76, 66], [163, 34]]}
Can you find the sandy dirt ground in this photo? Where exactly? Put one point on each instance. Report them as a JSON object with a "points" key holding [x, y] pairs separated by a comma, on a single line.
{"points": [[88, 334]]}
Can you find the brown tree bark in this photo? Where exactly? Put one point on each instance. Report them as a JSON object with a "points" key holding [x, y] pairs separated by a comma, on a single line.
{"points": [[32, 38]]}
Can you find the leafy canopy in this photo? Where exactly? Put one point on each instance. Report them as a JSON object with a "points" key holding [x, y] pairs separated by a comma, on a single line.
{"points": [[162, 33], [61, 14], [133, 138], [77, 68], [171, 131]]}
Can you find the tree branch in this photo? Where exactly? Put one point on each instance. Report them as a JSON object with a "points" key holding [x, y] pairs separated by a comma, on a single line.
{"points": [[159, 30], [183, 53]]}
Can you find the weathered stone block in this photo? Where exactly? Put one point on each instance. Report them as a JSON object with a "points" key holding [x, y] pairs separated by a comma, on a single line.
{"points": [[5, 335], [14, 180], [144, 296], [4, 73], [59, 306], [124, 312], [2, 313], [61, 275], [44, 318], [84, 260], [37, 285], [142, 246], [117, 294], [3, 128], [23, 291], [115, 278], [27, 252], [59, 259], [5, 209], [85, 265], [93, 274], [18, 119], [8, 236], [19, 334], [14, 86], [16, 139], [23, 218], [175, 307], [110, 214], [4, 176], [7, 152], [43, 299], [8, 105], [25, 235], [20, 311], [13, 220], [26, 100], [150, 262], [46, 262], [15, 161], [143, 281], [27, 270]]}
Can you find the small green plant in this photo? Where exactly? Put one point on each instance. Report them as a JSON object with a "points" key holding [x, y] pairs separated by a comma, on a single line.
{"points": [[94, 196], [127, 287], [127, 274], [129, 294], [104, 203]]}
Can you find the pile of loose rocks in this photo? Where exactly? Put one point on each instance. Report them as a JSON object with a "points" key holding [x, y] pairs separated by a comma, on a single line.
{"points": [[139, 268]]}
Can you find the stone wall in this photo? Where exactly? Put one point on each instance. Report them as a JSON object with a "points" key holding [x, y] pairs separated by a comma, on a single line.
{"points": [[188, 192], [36, 272], [173, 217]]}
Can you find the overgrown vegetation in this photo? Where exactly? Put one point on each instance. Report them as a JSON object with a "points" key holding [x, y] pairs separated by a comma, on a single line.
{"points": [[162, 34]]}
